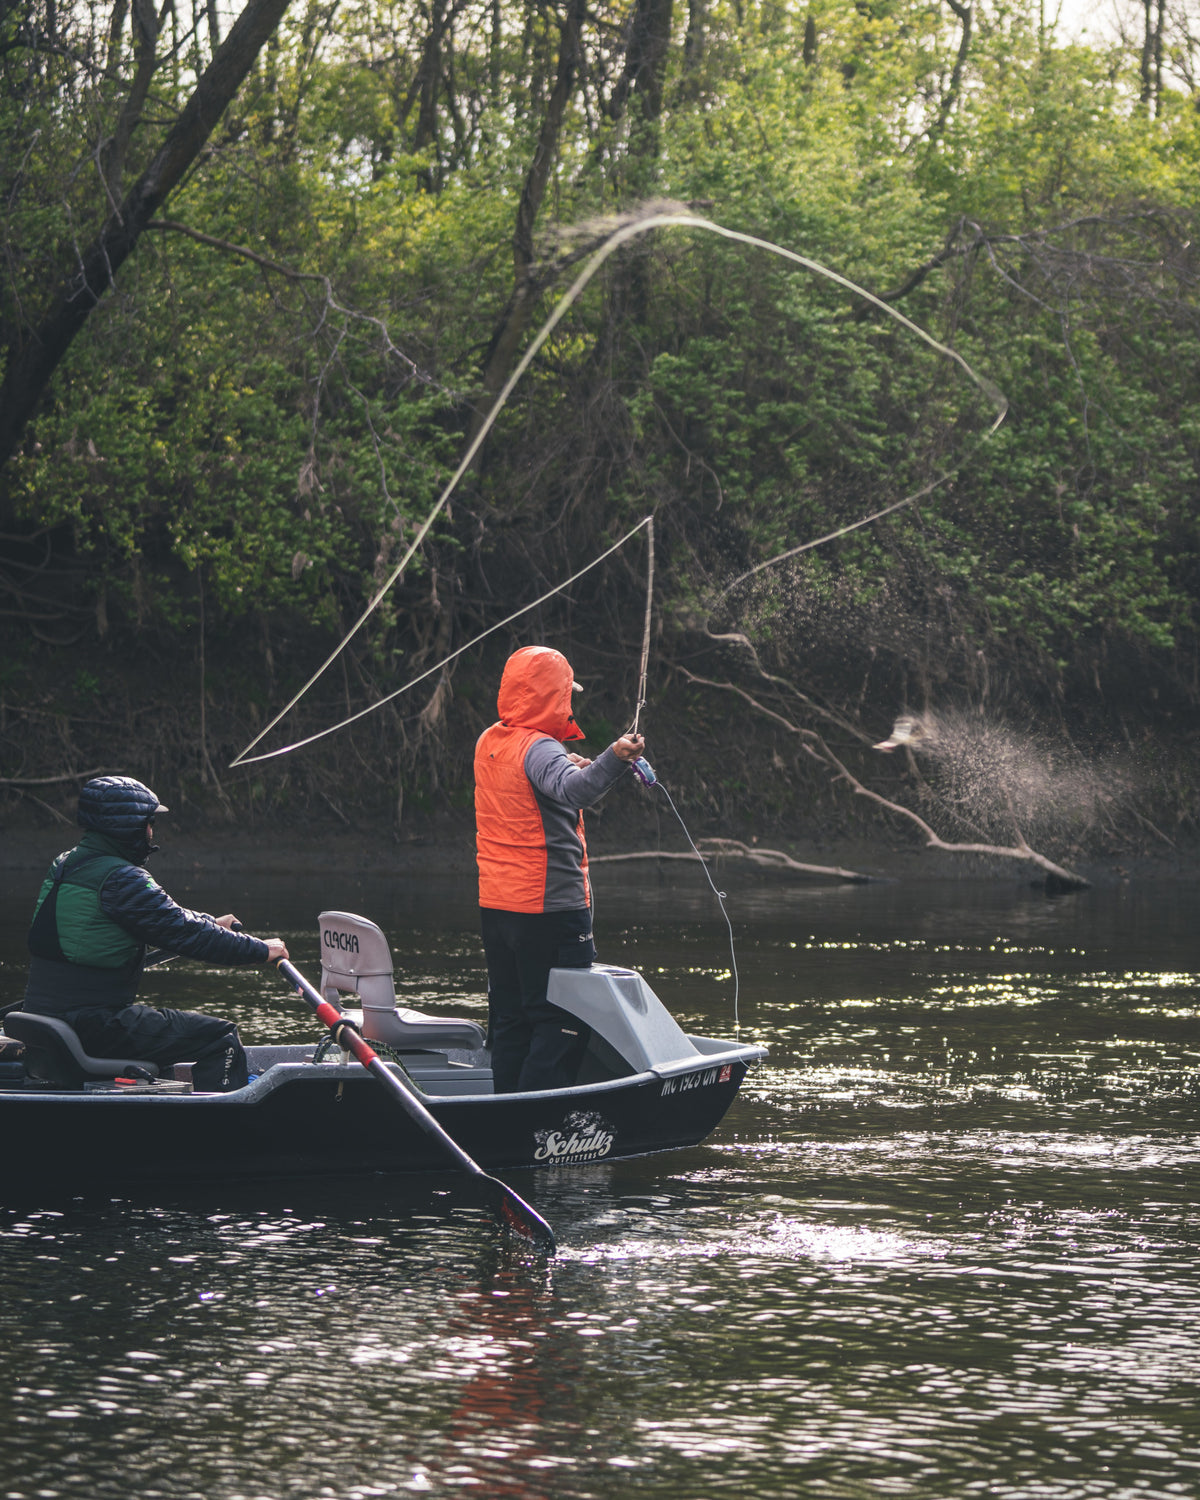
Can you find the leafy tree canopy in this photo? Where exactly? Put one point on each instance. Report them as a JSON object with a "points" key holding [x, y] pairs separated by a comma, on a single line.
{"points": [[265, 398]]}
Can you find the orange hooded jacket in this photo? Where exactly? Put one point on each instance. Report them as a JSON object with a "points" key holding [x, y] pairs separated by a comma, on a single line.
{"points": [[531, 850]]}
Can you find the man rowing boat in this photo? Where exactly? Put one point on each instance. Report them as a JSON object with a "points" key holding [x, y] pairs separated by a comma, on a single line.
{"points": [[97, 912]]}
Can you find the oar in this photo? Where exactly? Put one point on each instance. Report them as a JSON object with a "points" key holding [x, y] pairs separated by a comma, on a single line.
{"points": [[512, 1209]]}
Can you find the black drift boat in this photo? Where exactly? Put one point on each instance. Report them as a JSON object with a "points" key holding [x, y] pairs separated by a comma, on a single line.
{"points": [[644, 1086]]}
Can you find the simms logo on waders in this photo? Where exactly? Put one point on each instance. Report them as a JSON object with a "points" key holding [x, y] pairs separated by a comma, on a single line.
{"points": [[346, 942]]}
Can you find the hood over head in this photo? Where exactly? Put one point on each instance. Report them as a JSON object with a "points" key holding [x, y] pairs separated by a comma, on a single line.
{"points": [[119, 807], [535, 692]]}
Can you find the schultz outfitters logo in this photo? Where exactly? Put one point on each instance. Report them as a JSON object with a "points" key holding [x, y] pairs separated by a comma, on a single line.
{"points": [[687, 1081], [583, 1137]]}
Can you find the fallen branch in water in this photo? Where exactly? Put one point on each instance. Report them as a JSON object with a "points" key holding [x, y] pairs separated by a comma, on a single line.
{"points": [[608, 859], [774, 859], [815, 745]]}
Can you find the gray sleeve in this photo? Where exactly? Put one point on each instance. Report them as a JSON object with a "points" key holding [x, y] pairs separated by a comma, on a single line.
{"points": [[553, 775]]}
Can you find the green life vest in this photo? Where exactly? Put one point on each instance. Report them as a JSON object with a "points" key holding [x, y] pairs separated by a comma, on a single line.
{"points": [[68, 922]]}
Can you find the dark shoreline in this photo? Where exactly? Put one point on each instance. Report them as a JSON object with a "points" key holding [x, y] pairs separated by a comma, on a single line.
{"points": [[448, 849]]}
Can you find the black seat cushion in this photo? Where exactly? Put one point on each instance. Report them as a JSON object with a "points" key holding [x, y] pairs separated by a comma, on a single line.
{"points": [[54, 1053]]}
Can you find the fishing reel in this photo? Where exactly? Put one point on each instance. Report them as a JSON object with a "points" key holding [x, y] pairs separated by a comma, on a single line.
{"points": [[643, 770]]}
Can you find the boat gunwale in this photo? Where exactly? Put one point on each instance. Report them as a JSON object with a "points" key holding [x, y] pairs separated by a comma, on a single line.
{"points": [[284, 1073]]}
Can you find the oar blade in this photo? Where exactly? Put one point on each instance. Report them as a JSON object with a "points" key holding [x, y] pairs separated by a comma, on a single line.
{"points": [[518, 1217]]}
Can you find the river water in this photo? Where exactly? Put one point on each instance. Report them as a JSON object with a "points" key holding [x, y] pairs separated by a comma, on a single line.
{"points": [[946, 1244]]}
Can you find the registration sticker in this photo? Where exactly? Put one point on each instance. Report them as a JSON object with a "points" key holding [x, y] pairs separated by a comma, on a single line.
{"points": [[685, 1082]]}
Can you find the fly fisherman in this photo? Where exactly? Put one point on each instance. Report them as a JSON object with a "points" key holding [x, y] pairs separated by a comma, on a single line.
{"points": [[534, 893], [97, 911]]}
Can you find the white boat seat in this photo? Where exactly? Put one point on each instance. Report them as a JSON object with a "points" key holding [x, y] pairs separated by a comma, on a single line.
{"points": [[54, 1053], [356, 960]]}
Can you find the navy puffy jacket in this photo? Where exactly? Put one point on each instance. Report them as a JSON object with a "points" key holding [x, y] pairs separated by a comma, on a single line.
{"points": [[135, 901]]}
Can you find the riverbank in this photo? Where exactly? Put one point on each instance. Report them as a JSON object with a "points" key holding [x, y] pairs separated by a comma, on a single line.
{"points": [[445, 845]]}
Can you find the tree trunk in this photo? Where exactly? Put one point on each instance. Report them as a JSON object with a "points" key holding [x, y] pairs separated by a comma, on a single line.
{"points": [[427, 93], [693, 42], [1160, 31], [645, 59], [145, 36], [512, 324], [809, 55], [1151, 42], [965, 14], [31, 366]]}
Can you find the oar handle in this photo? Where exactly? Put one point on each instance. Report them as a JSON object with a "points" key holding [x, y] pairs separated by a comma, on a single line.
{"points": [[326, 1012]]}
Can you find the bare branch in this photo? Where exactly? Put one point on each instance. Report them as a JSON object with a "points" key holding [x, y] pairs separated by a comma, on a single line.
{"points": [[776, 859], [351, 314], [23, 781], [1021, 850], [815, 746]]}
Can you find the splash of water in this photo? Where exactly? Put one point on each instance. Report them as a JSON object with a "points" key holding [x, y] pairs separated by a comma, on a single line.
{"points": [[1003, 779]]}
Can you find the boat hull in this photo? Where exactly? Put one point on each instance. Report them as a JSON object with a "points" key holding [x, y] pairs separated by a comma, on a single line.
{"points": [[301, 1118]]}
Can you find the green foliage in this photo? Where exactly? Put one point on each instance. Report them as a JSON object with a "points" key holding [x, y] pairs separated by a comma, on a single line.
{"points": [[254, 424]]}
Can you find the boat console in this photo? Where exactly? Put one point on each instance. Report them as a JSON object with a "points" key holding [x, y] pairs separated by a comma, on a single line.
{"points": [[622, 1010]]}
